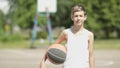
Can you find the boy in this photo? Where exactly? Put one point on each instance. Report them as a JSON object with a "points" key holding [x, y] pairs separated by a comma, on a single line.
{"points": [[79, 42]]}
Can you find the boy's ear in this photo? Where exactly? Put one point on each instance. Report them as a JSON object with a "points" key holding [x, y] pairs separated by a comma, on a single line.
{"points": [[72, 17], [85, 17]]}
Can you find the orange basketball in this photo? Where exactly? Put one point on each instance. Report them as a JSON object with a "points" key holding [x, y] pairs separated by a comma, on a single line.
{"points": [[56, 53]]}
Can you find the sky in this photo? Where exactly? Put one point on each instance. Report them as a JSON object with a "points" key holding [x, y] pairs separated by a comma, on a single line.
{"points": [[4, 6]]}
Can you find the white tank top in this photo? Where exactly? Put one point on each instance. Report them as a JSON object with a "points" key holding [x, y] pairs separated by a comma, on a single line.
{"points": [[77, 50]]}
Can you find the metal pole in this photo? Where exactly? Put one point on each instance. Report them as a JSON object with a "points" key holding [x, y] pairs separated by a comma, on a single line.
{"points": [[49, 26], [34, 31]]}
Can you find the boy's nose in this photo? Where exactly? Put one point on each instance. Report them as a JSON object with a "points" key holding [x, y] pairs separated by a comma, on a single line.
{"points": [[78, 18]]}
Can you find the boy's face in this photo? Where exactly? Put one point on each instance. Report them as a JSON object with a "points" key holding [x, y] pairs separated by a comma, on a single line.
{"points": [[78, 18]]}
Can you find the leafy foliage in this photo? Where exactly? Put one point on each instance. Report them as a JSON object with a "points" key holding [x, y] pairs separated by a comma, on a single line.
{"points": [[1, 21], [102, 15]]}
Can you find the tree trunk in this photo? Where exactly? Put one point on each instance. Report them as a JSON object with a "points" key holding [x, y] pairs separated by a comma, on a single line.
{"points": [[107, 33], [118, 33]]}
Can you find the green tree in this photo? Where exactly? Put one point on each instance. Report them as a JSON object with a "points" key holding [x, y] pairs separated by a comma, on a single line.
{"points": [[1, 21], [62, 16], [102, 15], [24, 12], [108, 15]]}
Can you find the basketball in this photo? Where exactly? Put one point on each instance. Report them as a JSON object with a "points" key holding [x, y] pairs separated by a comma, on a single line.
{"points": [[56, 53]]}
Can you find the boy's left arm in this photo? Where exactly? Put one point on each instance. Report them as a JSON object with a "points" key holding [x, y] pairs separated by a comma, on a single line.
{"points": [[91, 50]]}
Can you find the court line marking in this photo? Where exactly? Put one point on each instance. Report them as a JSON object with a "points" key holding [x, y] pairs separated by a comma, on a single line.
{"points": [[105, 62], [23, 53]]}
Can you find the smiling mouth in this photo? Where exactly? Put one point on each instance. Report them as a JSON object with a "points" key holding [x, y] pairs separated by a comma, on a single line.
{"points": [[78, 21]]}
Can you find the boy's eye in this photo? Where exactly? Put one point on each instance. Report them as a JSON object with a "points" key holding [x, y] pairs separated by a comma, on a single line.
{"points": [[81, 15], [78, 15]]}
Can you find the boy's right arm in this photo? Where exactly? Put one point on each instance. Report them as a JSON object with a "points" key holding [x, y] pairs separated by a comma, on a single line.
{"points": [[42, 64], [62, 37]]}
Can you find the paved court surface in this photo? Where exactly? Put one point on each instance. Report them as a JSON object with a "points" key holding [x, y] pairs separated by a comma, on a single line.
{"points": [[30, 58]]}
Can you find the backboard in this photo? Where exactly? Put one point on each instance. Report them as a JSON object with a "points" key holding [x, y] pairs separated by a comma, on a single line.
{"points": [[50, 5]]}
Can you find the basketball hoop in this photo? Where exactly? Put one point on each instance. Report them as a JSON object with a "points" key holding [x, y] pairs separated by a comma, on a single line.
{"points": [[51, 6]]}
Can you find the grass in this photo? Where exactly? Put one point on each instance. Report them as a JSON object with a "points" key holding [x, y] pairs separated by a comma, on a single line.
{"points": [[107, 44], [98, 44], [21, 44]]}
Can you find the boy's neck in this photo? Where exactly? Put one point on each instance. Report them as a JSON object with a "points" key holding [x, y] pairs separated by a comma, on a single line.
{"points": [[77, 28]]}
